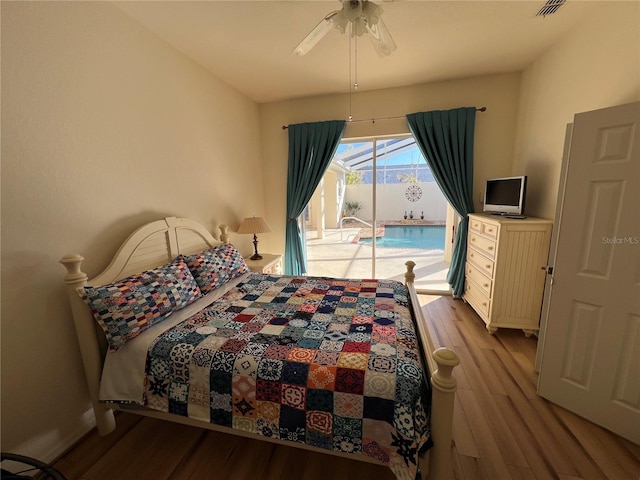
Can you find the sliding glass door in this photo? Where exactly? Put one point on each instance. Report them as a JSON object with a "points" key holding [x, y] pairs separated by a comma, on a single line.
{"points": [[378, 206]]}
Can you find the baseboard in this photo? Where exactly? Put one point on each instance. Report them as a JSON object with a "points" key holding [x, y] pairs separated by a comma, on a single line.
{"points": [[87, 423], [48, 447]]}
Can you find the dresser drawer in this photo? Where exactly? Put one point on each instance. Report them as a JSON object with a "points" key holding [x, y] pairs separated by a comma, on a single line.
{"points": [[479, 278], [490, 230], [475, 225], [481, 262], [476, 297], [485, 246]]}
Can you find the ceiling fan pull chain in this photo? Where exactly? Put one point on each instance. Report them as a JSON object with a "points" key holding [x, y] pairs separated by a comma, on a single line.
{"points": [[355, 65], [350, 85]]}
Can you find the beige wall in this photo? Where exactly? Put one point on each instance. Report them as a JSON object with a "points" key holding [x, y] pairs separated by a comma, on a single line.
{"points": [[494, 134], [104, 127], [597, 65]]}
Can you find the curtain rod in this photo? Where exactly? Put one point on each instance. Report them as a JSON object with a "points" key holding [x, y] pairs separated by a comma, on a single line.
{"points": [[373, 120]]}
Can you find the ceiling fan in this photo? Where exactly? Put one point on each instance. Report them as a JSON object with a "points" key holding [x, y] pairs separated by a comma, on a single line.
{"points": [[363, 16]]}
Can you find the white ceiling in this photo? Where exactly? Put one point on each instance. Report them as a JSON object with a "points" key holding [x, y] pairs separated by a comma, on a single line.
{"points": [[248, 44]]}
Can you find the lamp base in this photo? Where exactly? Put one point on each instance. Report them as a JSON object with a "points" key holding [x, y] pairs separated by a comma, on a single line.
{"points": [[256, 255]]}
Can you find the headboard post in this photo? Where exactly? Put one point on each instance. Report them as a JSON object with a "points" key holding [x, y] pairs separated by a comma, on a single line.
{"points": [[92, 357], [224, 235]]}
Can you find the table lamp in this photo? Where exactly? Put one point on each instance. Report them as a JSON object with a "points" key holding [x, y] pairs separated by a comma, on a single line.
{"points": [[254, 225]]}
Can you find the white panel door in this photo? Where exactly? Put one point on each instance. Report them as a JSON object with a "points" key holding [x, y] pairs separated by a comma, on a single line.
{"points": [[591, 353]]}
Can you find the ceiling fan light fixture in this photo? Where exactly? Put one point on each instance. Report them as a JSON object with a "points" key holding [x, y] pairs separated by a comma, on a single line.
{"points": [[364, 17], [359, 27], [366, 14], [351, 10], [340, 22]]}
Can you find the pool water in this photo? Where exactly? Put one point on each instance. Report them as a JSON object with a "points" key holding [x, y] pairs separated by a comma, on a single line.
{"points": [[427, 237]]}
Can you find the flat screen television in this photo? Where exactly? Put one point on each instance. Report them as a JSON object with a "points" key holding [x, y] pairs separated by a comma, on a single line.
{"points": [[505, 196]]}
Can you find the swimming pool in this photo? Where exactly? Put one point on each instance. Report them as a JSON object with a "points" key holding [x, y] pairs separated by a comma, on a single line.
{"points": [[427, 237]]}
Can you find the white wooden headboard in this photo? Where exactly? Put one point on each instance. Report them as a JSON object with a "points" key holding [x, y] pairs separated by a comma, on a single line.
{"points": [[155, 244], [150, 246]]}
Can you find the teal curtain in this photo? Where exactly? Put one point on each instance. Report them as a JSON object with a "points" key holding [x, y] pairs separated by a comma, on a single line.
{"points": [[446, 141], [311, 148]]}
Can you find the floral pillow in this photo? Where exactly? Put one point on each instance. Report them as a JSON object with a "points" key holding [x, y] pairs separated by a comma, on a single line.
{"points": [[215, 266], [127, 308]]}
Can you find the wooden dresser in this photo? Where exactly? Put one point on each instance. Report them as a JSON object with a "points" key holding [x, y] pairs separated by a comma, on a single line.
{"points": [[505, 270]]}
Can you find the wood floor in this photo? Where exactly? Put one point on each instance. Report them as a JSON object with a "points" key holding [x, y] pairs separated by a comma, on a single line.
{"points": [[502, 429]]}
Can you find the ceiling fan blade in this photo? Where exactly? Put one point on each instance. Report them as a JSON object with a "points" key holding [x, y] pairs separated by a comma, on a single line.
{"points": [[324, 27], [381, 38]]}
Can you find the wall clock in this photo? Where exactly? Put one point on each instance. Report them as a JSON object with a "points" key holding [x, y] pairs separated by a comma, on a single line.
{"points": [[413, 193]]}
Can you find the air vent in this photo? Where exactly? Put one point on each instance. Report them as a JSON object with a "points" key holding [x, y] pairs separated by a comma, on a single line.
{"points": [[550, 7]]}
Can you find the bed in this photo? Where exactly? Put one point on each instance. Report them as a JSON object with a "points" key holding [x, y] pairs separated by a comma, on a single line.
{"points": [[341, 366]]}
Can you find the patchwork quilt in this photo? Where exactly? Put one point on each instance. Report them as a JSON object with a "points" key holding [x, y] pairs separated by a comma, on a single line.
{"points": [[328, 362]]}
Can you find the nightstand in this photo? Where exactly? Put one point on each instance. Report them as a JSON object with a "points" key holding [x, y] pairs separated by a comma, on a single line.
{"points": [[268, 264]]}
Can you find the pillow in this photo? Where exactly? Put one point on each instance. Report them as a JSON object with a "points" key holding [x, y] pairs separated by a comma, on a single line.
{"points": [[233, 261], [127, 308], [213, 267]]}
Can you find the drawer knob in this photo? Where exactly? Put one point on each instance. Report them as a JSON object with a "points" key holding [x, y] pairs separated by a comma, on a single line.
{"points": [[486, 285], [488, 266], [490, 247]]}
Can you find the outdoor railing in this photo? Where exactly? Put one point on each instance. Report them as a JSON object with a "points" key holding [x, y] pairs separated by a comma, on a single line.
{"points": [[352, 218]]}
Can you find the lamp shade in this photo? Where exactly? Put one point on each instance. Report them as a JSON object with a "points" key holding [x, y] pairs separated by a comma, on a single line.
{"points": [[254, 225]]}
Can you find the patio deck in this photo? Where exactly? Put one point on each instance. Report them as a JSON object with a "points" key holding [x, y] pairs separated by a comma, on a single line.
{"points": [[336, 257]]}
